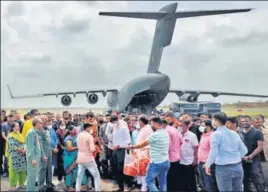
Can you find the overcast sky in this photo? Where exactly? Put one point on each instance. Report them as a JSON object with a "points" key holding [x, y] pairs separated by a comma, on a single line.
{"points": [[66, 46]]}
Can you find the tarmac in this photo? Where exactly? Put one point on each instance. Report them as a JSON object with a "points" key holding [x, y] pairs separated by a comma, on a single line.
{"points": [[108, 185]]}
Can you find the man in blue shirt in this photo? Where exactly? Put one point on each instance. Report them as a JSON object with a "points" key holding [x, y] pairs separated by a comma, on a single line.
{"points": [[227, 150]]}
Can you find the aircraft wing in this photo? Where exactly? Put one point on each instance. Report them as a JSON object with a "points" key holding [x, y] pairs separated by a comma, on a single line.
{"points": [[215, 93], [104, 92], [185, 14]]}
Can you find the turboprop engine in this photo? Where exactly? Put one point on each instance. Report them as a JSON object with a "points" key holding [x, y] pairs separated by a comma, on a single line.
{"points": [[92, 98]]}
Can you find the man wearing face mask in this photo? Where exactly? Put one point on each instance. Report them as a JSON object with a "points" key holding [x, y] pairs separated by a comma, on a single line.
{"points": [[226, 151], [45, 171], [252, 167], [203, 151], [53, 145]]}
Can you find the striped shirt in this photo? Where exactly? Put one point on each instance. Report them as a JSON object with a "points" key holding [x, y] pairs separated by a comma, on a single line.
{"points": [[159, 145]]}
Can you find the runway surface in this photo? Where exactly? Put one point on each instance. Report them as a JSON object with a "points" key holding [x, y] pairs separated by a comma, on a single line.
{"points": [[108, 185]]}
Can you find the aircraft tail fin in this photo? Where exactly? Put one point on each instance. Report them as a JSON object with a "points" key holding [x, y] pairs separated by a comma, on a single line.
{"points": [[166, 20]]}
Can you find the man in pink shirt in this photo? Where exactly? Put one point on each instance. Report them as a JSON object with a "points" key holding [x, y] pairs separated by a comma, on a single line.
{"points": [[85, 158], [144, 133], [202, 155], [175, 142]]}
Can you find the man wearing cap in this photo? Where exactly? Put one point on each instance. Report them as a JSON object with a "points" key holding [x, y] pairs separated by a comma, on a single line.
{"points": [[29, 123], [6, 127]]}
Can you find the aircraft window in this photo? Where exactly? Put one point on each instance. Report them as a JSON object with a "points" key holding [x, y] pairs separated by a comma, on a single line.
{"points": [[189, 106], [214, 105]]}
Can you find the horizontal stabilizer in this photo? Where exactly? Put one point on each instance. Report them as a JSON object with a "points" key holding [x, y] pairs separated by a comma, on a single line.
{"points": [[178, 15], [137, 15], [185, 14]]}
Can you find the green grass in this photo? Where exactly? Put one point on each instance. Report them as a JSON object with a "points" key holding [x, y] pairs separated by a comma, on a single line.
{"points": [[233, 111], [252, 111], [229, 110]]}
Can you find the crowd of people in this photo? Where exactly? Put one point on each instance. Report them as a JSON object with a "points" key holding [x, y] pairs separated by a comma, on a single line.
{"points": [[186, 153]]}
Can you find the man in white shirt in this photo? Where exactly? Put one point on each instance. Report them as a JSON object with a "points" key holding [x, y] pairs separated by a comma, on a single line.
{"points": [[188, 159], [119, 138]]}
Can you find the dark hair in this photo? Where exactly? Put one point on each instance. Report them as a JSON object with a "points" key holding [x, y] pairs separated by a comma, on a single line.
{"points": [[32, 112], [90, 114], [183, 114], [107, 115], [233, 120], [169, 114], [70, 127], [164, 122], [64, 112], [196, 119], [246, 116], [10, 115], [261, 116], [12, 125], [157, 120], [221, 117], [60, 122], [208, 123], [86, 125], [144, 120]]}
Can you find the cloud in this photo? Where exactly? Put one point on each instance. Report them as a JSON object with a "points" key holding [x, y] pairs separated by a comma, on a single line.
{"points": [[15, 9], [35, 58], [67, 46]]}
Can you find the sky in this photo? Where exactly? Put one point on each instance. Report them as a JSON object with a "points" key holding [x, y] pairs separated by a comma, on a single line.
{"points": [[55, 46]]}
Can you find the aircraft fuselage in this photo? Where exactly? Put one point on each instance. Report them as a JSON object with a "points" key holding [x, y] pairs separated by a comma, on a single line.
{"points": [[144, 92]]}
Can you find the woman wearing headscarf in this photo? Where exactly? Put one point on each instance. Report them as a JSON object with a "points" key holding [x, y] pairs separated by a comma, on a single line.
{"points": [[16, 157], [69, 159]]}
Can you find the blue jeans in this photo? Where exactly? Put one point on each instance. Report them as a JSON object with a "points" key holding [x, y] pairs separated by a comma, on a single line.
{"points": [[206, 179], [230, 177], [159, 170]]}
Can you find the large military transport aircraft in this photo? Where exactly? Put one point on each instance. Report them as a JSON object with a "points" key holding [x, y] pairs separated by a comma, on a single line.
{"points": [[147, 91]]}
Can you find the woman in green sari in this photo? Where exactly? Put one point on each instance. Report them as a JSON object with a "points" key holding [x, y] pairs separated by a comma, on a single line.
{"points": [[16, 153], [69, 160]]}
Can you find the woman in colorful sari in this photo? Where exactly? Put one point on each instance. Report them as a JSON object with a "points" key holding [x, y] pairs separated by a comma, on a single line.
{"points": [[69, 159], [16, 158]]}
